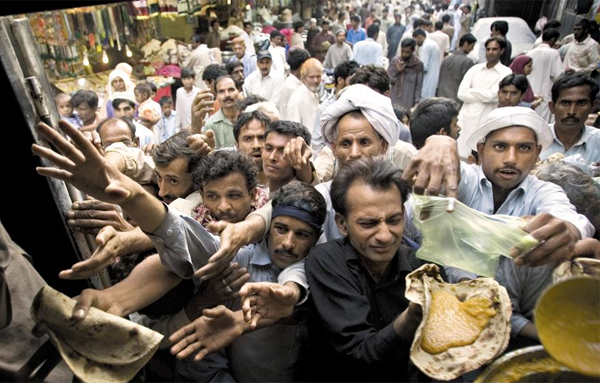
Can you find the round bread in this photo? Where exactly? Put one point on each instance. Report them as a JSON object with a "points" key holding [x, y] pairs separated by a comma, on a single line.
{"points": [[456, 361], [576, 267]]}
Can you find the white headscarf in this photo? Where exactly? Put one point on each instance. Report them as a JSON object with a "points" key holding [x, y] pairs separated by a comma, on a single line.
{"points": [[126, 79], [376, 108]]}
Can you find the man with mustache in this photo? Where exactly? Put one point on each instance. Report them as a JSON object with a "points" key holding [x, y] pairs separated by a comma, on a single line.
{"points": [[573, 98], [221, 123], [304, 102], [249, 133]]}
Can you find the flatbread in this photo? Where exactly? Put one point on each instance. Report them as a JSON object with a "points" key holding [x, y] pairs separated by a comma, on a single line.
{"points": [[456, 361], [577, 267], [100, 348]]}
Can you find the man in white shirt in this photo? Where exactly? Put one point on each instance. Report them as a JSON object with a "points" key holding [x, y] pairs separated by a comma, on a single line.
{"points": [[338, 52], [200, 58], [296, 58], [369, 51], [185, 98], [546, 69], [429, 54], [479, 91], [304, 102], [442, 39], [277, 52], [265, 81], [582, 55]]}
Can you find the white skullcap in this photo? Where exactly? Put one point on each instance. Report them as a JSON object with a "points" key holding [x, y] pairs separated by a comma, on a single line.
{"points": [[513, 116], [376, 108]]}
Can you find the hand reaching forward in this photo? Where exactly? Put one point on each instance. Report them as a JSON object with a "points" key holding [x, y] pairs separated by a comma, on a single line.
{"points": [[266, 300], [215, 329]]}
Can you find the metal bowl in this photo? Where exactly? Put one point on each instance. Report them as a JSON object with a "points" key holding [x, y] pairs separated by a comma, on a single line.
{"points": [[518, 367], [226, 56]]}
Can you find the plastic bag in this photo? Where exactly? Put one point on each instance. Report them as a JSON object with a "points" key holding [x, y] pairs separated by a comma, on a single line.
{"points": [[466, 238]]}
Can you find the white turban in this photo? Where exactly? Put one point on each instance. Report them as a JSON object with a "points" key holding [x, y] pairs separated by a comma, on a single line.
{"points": [[376, 108]]}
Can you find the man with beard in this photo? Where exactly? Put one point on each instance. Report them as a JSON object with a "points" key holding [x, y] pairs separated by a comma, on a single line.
{"points": [[320, 38], [573, 98], [236, 71], [338, 52], [304, 102], [221, 123], [582, 55], [406, 76], [249, 133], [243, 55]]}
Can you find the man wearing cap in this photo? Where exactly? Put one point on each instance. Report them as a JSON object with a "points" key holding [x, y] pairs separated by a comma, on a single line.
{"points": [[264, 81], [573, 98]]}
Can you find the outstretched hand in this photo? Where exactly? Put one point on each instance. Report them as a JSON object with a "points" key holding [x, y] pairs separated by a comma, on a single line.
{"points": [[91, 215], [266, 300], [215, 329]]}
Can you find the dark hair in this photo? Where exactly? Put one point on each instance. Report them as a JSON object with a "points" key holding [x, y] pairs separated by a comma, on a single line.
{"points": [[144, 88], [152, 86], [196, 39], [165, 100], [84, 96], [245, 118], [430, 116], [468, 7], [468, 38], [518, 80], [114, 120], [377, 172], [175, 147], [341, 14], [324, 22], [408, 42], [446, 18], [552, 24], [221, 163], [275, 33], [213, 72], [289, 128], [372, 76], [118, 101], [250, 100], [188, 73], [345, 69], [296, 58], [213, 22], [427, 23], [550, 34], [400, 112], [226, 76], [500, 26], [585, 24], [501, 41], [302, 196], [247, 23], [230, 66], [439, 25], [355, 18], [419, 32], [571, 80], [297, 25], [372, 30]]}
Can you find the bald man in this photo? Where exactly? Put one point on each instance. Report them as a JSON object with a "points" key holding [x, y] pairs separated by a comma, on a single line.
{"points": [[304, 102]]}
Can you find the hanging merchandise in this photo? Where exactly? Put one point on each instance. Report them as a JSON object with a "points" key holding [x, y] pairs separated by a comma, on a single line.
{"points": [[153, 8], [142, 9], [113, 27]]}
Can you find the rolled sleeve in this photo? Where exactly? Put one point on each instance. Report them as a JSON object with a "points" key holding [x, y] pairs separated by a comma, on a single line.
{"points": [[297, 274]]}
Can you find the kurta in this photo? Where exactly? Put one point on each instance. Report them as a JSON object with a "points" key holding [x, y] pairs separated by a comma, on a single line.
{"points": [[547, 67], [290, 85], [368, 52], [479, 92], [268, 87], [296, 40], [199, 60], [393, 35], [429, 54], [317, 44], [452, 72], [582, 56], [303, 106], [406, 85], [442, 40], [337, 54]]}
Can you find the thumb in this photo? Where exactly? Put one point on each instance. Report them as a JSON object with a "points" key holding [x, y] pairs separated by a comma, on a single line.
{"points": [[209, 134], [117, 192], [216, 227]]}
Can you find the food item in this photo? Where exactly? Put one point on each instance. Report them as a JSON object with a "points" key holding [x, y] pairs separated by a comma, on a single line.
{"points": [[464, 321], [100, 348], [575, 268], [446, 348], [567, 318]]}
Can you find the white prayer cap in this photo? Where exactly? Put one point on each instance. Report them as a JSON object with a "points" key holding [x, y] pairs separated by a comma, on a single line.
{"points": [[376, 108], [513, 116]]}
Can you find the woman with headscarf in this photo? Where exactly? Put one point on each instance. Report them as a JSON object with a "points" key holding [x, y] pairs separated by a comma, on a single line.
{"points": [[118, 81], [524, 65]]}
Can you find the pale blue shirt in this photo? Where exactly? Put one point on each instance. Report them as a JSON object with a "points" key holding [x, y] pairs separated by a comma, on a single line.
{"points": [[588, 147], [167, 126], [368, 52], [429, 54], [249, 62]]}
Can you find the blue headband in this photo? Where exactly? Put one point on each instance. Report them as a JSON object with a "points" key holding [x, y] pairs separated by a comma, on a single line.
{"points": [[296, 212]]}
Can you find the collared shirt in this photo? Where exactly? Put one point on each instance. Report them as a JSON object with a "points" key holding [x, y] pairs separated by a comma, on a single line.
{"points": [[268, 87], [368, 52], [290, 85], [183, 106], [582, 56], [548, 67], [302, 107], [588, 147], [351, 316], [167, 126], [429, 54], [354, 36], [337, 54], [249, 62], [223, 129], [452, 71], [479, 92]]}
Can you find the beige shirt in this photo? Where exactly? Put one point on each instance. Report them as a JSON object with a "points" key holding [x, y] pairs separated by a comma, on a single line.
{"points": [[138, 166]]}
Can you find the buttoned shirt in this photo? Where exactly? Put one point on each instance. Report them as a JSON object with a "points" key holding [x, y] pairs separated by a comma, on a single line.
{"points": [[268, 87], [303, 106], [582, 56], [337, 54], [353, 36], [223, 129], [368, 52], [546, 69], [290, 85], [183, 105], [479, 93], [588, 147], [249, 62], [167, 126]]}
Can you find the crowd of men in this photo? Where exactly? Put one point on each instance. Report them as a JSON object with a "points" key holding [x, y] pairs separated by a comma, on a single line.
{"points": [[269, 232]]}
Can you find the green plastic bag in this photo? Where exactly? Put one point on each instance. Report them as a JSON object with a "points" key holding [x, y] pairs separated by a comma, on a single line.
{"points": [[466, 238]]}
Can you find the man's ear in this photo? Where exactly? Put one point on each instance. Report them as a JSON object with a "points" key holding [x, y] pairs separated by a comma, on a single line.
{"points": [[551, 106], [442, 132], [480, 151], [136, 142], [340, 221]]}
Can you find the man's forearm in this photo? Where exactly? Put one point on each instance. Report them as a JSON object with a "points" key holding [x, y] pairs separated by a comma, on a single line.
{"points": [[147, 211]]}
